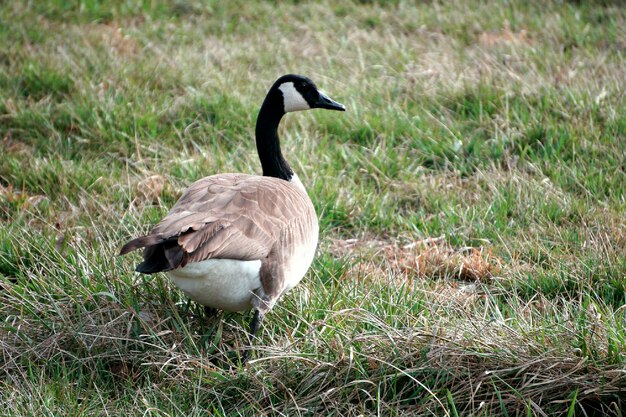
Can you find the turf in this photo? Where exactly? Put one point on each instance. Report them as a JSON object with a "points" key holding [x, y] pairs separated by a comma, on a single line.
{"points": [[471, 201]]}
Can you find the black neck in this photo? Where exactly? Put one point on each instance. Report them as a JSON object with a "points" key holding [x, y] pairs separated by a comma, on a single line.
{"points": [[267, 143]]}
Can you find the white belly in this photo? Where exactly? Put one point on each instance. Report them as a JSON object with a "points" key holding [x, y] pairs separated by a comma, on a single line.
{"points": [[225, 284], [229, 284]]}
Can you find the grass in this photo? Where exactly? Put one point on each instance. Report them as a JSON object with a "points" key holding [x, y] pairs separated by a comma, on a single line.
{"points": [[471, 203]]}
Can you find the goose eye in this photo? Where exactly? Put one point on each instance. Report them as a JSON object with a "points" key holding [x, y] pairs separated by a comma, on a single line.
{"points": [[311, 90]]}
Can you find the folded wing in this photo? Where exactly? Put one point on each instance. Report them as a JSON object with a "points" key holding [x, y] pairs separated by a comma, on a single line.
{"points": [[226, 216]]}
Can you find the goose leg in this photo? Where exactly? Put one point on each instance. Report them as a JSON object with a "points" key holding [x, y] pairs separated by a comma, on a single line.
{"points": [[255, 325], [209, 311]]}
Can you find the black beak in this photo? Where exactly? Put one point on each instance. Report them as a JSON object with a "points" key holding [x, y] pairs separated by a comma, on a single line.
{"points": [[325, 102]]}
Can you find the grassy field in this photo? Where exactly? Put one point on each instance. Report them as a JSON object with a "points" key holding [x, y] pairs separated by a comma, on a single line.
{"points": [[472, 258]]}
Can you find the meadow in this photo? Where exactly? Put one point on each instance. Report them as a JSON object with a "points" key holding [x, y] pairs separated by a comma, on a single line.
{"points": [[472, 256]]}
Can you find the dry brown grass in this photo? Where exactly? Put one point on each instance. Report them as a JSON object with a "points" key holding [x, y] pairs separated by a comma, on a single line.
{"points": [[471, 255], [431, 258]]}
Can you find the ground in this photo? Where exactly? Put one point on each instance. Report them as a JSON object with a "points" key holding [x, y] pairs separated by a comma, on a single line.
{"points": [[471, 201]]}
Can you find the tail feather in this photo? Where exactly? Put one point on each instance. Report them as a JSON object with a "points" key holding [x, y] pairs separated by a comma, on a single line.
{"points": [[154, 261], [141, 242], [160, 254]]}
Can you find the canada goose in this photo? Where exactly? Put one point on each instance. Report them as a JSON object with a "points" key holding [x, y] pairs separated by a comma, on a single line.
{"points": [[236, 241]]}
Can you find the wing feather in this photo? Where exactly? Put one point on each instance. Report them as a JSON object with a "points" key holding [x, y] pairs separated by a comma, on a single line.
{"points": [[233, 216]]}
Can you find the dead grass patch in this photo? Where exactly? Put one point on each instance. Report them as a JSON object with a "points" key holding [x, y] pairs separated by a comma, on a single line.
{"points": [[435, 257], [427, 258], [150, 189], [506, 37], [113, 37]]}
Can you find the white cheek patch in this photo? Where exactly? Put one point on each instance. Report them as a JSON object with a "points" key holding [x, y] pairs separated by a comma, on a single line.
{"points": [[292, 98]]}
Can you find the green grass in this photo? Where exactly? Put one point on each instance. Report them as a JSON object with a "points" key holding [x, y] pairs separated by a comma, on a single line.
{"points": [[471, 201]]}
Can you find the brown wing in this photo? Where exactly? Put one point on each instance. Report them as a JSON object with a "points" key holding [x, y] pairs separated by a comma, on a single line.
{"points": [[233, 216]]}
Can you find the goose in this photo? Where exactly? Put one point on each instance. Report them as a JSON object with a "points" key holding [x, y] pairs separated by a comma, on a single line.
{"points": [[238, 242]]}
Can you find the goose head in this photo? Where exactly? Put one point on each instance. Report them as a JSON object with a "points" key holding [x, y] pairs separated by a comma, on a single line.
{"points": [[288, 94], [300, 93]]}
